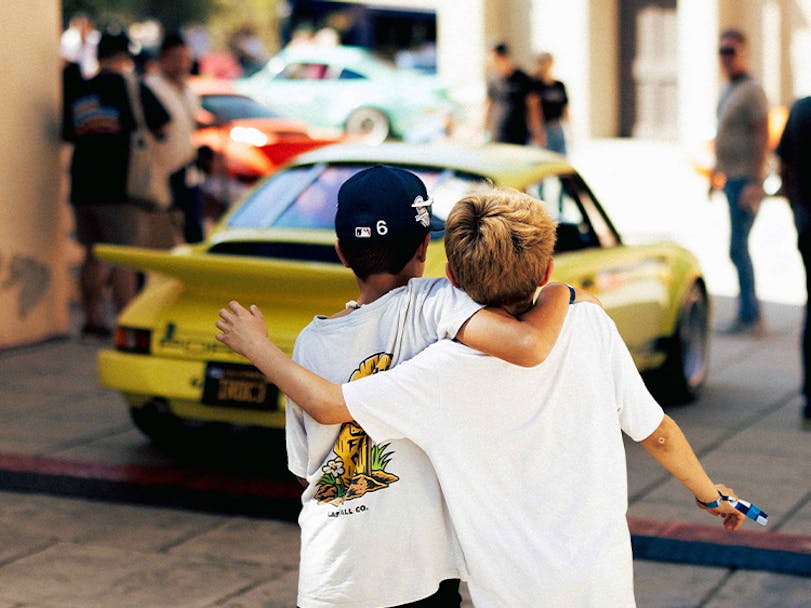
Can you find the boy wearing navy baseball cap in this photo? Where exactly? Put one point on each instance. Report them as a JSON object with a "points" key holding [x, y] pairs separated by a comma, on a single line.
{"points": [[367, 504], [382, 219]]}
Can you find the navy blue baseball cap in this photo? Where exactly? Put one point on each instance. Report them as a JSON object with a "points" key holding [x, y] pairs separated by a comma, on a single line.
{"points": [[383, 203]]}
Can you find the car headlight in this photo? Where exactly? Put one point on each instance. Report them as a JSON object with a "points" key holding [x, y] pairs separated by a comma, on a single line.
{"points": [[248, 135], [132, 340]]}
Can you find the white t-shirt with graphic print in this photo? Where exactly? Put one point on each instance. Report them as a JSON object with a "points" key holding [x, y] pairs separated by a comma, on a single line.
{"points": [[531, 460], [374, 527]]}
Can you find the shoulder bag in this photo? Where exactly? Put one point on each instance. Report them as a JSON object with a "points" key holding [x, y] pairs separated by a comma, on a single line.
{"points": [[147, 181]]}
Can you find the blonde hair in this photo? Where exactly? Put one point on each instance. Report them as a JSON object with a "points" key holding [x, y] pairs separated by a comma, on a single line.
{"points": [[499, 243]]}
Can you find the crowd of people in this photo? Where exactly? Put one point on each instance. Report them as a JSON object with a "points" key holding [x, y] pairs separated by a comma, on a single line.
{"points": [[100, 115]]}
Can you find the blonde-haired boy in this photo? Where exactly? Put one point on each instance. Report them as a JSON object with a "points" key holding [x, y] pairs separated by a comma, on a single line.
{"points": [[530, 460], [499, 244]]}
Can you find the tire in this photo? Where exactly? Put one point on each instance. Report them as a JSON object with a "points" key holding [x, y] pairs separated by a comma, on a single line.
{"points": [[681, 377], [370, 125], [163, 429]]}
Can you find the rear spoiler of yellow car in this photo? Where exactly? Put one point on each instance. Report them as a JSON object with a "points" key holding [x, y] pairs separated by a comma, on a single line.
{"points": [[233, 274]]}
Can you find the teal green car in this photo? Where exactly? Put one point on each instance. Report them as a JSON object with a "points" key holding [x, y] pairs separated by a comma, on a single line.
{"points": [[276, 250], [350, 89]]}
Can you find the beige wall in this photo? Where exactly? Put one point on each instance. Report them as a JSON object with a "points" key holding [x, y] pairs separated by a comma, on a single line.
{"points": [[34, 282]]}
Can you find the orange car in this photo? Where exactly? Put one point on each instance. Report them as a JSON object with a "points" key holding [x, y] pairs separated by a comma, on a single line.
{"points": [[248, 139]]}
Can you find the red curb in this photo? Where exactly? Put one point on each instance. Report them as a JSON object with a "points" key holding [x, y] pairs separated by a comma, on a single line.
{"points": [[689, 532], [267, 487], [151, 476]]}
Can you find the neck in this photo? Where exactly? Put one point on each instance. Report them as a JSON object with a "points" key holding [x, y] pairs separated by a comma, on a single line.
{"points": [[178, 81], [377, 285]]}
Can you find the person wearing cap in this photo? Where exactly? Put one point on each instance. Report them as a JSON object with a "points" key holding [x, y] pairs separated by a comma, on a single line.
{"points": [[102, 124], [374, 528], [531, 461]]}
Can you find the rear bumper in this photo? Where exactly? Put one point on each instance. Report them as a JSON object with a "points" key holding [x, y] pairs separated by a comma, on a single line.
{"points": [[178, 384]]}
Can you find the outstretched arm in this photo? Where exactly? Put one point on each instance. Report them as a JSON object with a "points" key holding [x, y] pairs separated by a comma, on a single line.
{"points": [[670, 448], [245, 332], [527, 340]]}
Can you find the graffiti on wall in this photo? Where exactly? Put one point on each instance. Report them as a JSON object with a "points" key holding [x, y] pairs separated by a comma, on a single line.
{"points": [[30, 278]]}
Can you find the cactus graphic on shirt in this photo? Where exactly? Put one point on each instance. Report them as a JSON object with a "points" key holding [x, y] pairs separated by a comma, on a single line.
{"points": [[356, 465]]}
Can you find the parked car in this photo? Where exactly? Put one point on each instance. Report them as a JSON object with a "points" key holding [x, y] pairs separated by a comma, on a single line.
{"points": [[276, 250], [250, 139], [350, 89]]}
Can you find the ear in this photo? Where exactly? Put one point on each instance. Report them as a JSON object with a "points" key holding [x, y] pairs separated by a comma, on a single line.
{"points": [[449, 274], [340, 254], [422, 250], [547, 274]]}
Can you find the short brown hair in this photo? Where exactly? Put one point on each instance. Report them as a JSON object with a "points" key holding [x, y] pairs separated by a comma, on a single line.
{"points": [[368, 258], [734, 34], [499, 243]]}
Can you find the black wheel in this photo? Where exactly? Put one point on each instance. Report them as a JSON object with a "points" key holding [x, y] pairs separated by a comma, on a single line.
{"points": [[682, 375], [370, 124], [161, 428]]}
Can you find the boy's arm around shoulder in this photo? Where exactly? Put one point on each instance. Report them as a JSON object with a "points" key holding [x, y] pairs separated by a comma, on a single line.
{"points": [[245, 332], [528, 339]]}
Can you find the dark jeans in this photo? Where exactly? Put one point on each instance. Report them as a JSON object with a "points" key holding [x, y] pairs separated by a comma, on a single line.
{"points": [[740, 224], [804, 245], [447, 596], [188, 200]]}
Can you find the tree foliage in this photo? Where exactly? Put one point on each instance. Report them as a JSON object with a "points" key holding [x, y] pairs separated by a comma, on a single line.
{"points": [[221, 17]]}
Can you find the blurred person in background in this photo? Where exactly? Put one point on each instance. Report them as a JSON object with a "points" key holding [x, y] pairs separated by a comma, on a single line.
{"points": [[102, 126], [79, 43], [513, 111], [554, 103], [170, 84], [794, 151], [741, 144]]}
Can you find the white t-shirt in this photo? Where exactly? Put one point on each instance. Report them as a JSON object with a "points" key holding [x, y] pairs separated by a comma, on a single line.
{"points": [[530, 460], [182, 105], [374, 528]]}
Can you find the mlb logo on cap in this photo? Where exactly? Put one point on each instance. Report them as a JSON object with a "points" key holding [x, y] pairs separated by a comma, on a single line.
{"points": [[382, 204]]}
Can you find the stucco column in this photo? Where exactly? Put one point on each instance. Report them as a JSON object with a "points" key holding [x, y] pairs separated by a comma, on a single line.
{"points": [[34, 281], [461, 55], [698, 70], [582, 36]]}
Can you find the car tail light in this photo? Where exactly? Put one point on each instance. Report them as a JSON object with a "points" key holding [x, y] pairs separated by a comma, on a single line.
{"points": [[132, 340]]}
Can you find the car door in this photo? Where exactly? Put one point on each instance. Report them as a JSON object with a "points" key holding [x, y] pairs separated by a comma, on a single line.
{"points": [[630, 281], [301, 90]]}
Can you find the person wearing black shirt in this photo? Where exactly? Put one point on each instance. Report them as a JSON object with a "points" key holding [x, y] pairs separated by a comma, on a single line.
{"points": [[102, 123], [513, 112], [554, 103], [794, 151]]}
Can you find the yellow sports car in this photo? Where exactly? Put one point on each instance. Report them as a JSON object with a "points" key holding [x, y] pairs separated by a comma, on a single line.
{"points": [[275, 249]]}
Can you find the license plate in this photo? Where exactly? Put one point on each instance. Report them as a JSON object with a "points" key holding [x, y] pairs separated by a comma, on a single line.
{"points": [[232, 385]]}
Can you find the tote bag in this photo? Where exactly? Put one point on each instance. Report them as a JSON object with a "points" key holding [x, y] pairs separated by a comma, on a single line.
{"points": [[147, 181]]}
